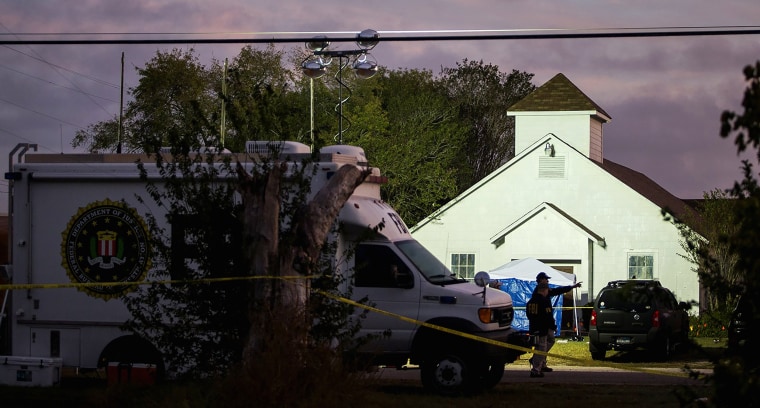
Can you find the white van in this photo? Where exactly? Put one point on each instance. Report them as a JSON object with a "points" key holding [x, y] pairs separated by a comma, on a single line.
{"points": [[57, 199]]}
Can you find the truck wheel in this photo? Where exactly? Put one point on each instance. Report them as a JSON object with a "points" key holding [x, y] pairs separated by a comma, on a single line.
{"points": [[448, 374]]}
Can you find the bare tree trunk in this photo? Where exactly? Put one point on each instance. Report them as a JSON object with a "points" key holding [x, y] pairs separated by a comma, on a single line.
{"points": [[261, 200], [261, 195]]}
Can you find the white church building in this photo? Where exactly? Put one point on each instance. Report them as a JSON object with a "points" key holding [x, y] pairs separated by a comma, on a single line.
{"points": [[560, 201]]}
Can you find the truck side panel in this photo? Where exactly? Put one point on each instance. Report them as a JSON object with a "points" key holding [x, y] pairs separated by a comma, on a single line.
{"points": [[75, 323]]}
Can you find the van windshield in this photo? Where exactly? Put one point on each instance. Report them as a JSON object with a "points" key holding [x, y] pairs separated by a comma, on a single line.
{"points": [[426, 263]]}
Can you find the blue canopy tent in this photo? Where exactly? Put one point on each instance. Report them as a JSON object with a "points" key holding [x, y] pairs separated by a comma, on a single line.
{"points": [[518, 278]]}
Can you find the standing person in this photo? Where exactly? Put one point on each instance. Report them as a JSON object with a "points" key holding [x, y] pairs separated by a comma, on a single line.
{"points": [[540, 320], [542, 277]]}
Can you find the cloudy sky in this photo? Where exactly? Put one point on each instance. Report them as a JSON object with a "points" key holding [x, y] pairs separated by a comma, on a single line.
{"points": [[665, 95]]}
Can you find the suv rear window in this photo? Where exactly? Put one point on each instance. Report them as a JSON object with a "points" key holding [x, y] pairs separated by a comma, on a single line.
{"points": [[626, 298]]}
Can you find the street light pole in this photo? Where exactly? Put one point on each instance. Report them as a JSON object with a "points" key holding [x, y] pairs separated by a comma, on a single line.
{"points": [[364, 65]]}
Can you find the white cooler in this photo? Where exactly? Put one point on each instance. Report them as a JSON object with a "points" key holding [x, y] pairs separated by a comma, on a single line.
{"points": [[30, 371]]}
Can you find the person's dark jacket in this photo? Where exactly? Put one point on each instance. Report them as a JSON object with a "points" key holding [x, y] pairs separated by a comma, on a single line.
{"points": [[540, 316]]}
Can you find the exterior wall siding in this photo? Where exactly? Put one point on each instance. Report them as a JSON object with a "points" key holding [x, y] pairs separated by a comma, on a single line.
{"points": [[596, 148], [572, 127]]}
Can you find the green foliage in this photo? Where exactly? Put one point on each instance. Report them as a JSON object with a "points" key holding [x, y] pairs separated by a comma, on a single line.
{"points": [[737, 375], [202, 327], [482, 95], [711, 324], [198, 335], [705, 235], [257, 97], [433, 136], [419, 148]]}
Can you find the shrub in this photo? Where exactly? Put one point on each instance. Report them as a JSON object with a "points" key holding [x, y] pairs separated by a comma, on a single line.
{"points": [[710, 324]]}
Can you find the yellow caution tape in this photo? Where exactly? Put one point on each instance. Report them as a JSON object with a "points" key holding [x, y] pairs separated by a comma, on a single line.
{"points": [[145, 282], [352, 303]]}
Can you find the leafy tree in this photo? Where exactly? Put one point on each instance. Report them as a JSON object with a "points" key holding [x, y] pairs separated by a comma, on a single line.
{"points": [[433, 136], [198, 335], [228, 221], [736, 375], [257, 99], [178, 96], [705, 235], [416, 143], [173, 97], [483, 93]]}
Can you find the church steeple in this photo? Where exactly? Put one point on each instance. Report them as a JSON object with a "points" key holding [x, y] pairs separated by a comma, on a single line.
{"points": [[559, 107]]}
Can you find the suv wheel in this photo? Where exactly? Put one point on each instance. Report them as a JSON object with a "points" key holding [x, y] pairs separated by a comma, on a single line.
{"points": [[665, 348], [598, 351]]}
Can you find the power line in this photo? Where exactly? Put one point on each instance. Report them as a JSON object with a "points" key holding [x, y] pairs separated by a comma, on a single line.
{"points": [[55, 84], [440, 35], [57, 71], [91, 78], [407, 32], [40, 113], [41, 146]]}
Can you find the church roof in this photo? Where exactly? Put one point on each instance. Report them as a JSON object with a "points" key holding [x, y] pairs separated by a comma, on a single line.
{"points": [[650, 189], [558, 94]]}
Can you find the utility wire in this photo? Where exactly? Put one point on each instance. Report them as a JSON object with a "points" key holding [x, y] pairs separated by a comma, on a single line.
{"points": [[57, 71], [55, 84], [407, 32], [441, 35], [40, 113], [91, 78], [41, 146]]}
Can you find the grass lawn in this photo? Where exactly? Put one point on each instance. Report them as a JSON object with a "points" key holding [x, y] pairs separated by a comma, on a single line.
{"points": [[697, 357]]}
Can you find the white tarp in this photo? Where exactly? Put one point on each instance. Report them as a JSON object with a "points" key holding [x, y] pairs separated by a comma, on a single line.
{"points": [[527, 269], [518, 278]]}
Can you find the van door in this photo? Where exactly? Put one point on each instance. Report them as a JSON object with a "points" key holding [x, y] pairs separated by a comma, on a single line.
{"points": [[388, 282], [63, 343]]}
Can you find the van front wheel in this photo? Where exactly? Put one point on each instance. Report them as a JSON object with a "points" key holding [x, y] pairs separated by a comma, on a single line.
{"points": [[448, 374]]}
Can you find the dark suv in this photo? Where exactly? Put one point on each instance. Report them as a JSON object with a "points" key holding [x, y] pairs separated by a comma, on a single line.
{"points": [[630, 314]]}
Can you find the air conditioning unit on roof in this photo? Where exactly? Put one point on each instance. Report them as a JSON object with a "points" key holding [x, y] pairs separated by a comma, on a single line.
{"points": [[266, 148], [346, 150], [202, 149]]}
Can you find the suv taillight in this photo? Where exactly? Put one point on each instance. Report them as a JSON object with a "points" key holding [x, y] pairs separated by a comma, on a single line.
{"points": [[656, 318], [592, 321]]}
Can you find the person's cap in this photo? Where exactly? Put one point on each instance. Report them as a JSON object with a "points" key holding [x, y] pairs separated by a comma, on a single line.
{"points": [[542, 285], [542, 275]]}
